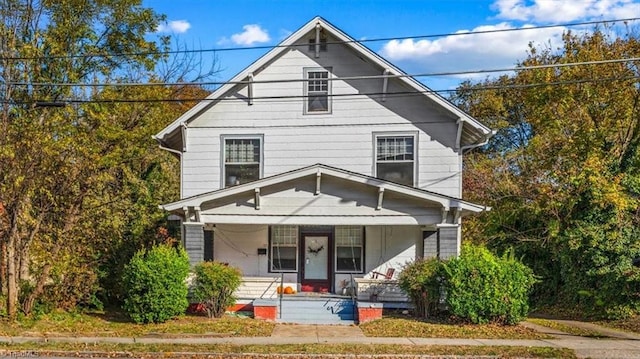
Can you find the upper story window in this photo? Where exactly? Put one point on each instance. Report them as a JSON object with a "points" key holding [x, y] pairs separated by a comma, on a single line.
{"points": [[395, 158], [242, 160], [317, 91]]}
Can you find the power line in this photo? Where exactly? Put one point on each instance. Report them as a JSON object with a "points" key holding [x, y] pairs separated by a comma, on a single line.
{"points": [[291, 98], [347, 78], [268, 47]]}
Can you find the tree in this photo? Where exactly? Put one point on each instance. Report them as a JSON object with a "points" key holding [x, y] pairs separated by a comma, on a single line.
{"points": [[50, 163], [562, 172]]}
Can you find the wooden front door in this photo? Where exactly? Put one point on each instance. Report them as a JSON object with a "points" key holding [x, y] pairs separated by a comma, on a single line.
{"points": [[316, 263]]}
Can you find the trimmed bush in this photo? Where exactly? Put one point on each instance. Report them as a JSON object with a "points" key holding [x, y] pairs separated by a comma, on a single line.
{"points": [[421, 280], [482, 287], [155, 284], [214, 285]]}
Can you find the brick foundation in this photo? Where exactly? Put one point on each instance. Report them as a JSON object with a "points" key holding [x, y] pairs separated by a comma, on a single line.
{"points": [[368, 311], [265, 310]]}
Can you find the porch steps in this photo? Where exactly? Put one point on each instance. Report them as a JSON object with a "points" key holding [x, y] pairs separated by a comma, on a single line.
{"points": [[317, 310]]}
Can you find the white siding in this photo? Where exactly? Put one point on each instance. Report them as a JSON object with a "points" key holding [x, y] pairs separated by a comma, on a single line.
{"points": [[341, 139]]}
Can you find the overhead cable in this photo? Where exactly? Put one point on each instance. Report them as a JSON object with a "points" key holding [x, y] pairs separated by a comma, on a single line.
{"points": [[268, 47]]}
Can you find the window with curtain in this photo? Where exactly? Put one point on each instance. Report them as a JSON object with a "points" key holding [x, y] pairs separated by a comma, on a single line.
{"points": [[242, 158]]}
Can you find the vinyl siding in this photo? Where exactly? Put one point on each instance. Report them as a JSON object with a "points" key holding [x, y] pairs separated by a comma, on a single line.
{"points": [[343, 138]]}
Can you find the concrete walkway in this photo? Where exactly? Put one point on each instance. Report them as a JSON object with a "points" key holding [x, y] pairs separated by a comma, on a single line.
{"points": [[624, 346]]}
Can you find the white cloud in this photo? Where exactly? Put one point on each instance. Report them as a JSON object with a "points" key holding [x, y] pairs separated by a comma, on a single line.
{"points": [[469, 52], [252, 34], [555, 11], [175, 26]]}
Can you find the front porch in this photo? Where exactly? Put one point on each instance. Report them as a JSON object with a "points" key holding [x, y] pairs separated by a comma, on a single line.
{"points": [[320, 229]]}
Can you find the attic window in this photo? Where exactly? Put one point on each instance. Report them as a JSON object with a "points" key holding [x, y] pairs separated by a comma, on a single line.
{"points": [[317, 91]]}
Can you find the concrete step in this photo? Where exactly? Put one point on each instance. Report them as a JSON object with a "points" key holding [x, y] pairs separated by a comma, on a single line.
{"points": [[329, 311]]}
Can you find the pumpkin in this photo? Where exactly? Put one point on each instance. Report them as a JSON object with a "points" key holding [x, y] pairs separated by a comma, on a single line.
{"points": [[279, 289], [288, 290]]}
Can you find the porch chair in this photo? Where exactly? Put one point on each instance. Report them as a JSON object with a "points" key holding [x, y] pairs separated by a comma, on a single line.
{"points": [[387, 275]]}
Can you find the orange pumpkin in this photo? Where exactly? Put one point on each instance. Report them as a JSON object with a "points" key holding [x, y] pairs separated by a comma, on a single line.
{"points": [[288, 290], [279, 289]]}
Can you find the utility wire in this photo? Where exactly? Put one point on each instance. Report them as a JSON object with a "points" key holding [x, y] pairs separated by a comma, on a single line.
{"points": [[295, 98], [268, 47], [346, 78]]}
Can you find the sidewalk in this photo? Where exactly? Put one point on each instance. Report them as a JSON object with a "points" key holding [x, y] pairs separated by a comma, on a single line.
{"points": [[619, 346]]}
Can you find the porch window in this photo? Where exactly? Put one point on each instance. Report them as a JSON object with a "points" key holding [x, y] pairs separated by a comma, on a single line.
{"points": [[242, 157], [349, 249], [317, 91], [395, 158], [284, 249]]}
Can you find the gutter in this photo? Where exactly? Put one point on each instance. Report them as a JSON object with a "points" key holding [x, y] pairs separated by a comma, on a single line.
{"points": [[485, 140], [162, 147]]}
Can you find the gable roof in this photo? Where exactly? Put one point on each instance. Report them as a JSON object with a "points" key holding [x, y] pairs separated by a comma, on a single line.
{"points": [[446, 202], [470, 128]]}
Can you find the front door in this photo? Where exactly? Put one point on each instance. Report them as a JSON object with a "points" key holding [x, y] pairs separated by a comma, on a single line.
{"points": [[315, 274]]}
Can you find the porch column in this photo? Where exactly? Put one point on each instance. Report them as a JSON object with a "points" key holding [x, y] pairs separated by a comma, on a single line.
{"points": [[431, 244], [194, 241], [449, 241]]}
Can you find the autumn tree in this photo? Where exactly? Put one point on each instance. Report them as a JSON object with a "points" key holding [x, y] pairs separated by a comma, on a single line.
{"points": [[79, 173], [562, 171]]}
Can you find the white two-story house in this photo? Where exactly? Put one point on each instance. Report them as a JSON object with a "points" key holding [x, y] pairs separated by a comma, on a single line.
{"points": [[322, 161]]}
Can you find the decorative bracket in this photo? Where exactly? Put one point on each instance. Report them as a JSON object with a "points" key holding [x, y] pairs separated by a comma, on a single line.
{"points": [[318, 181], [380, 198], [257, 198]]}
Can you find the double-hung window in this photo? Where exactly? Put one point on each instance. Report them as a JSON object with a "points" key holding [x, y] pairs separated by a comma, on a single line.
{"points": [[395, 158], [242, 159], [317, 91], [349, 249], [284, 249]]}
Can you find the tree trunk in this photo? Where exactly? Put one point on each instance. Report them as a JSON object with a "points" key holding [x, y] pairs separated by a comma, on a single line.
{"points": [[12, 282], [3, 267]]}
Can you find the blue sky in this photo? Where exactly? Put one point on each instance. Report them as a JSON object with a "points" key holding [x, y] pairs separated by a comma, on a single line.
{"points": [[202, 24]]}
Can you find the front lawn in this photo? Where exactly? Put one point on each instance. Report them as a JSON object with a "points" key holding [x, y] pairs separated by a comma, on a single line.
{"points": [[116, 324], [332, 351], [412, 327]]}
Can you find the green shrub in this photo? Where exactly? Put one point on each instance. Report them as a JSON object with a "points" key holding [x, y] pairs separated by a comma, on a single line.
{"points": [[421, 280], [481, 287], [214, 285], [154, 284]]}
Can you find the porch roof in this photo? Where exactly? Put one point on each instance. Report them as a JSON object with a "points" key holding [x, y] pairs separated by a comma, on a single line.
{"points": [[320, 194]]}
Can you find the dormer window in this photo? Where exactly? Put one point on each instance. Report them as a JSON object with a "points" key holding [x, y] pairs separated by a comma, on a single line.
{"points": [[317, 91]]}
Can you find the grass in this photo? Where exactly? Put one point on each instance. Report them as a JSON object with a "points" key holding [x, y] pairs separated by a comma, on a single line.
{"points": [[116, 324], [403, 327], [629, 324], [565, 328], [222, 350]]}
